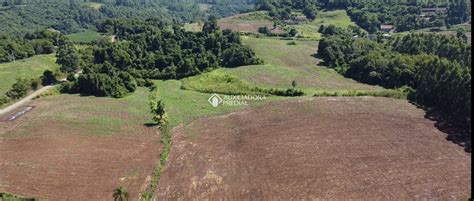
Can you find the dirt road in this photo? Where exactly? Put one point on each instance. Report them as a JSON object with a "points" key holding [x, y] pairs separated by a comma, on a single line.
{"points": [[25, 99]]}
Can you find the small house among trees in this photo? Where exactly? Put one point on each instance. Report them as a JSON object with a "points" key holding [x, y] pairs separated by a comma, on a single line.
{"points": [[387, 28], [433, 10]]}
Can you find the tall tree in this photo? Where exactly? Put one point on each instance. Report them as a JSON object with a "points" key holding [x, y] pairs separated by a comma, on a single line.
{"points": [[68, 58]]}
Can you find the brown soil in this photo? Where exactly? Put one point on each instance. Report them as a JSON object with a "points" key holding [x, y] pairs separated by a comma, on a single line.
{"points": [[56, 151], [317, 148], [75, 167]]}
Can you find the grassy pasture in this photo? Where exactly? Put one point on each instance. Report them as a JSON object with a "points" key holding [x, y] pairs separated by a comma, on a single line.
{"points": [[248, 22], [193, 27], [88, 115], [26, 68], [184, 106], [284, 63], [86, 36], [95, 5], [310, 29]]}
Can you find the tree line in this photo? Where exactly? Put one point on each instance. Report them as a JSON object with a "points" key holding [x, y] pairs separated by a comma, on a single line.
{"points": [[150, 49], [70, 16], [437, 78], [40, 42], [282, 9]]}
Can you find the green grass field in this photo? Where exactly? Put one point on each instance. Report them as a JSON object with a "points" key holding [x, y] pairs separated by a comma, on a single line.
{"points": [[88, 115], [284, 63], [26, 68], [193, 27], [248, 22], [338, 18], [86, 36], [95, 5], [186, 105]]}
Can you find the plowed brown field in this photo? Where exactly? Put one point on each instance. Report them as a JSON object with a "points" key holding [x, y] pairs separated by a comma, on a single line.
{"points": [[336, 148], [78, 148]]}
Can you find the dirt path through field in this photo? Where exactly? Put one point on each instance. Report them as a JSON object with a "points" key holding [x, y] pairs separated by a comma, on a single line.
{"points": [[25, 100]]}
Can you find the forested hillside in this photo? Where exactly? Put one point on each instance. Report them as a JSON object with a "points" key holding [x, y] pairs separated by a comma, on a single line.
{"points": [[435, 67], [69, 16], [150, 50]]}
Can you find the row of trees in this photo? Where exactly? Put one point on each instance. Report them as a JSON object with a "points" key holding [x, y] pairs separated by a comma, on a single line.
{"points": [[39, 42], [282, 9], [151, 49], [452, 48], [441, 80]]}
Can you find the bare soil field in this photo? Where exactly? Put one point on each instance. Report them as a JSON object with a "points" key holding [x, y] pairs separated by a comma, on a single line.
{"points": [[78, 148], [241, 24], [336, 148]]}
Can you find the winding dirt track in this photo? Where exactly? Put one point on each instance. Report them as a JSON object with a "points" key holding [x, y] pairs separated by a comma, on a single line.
{"points": [[360, 148], [24, 100]]}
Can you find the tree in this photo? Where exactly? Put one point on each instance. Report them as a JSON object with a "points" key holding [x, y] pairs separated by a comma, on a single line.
{"points": [[158, 110], [211, 25], [120, 194], [68, 58], [19, 89], [293, 32], [310, 12], [238, 55], [264, 30], [438, 23], [48, 78]]}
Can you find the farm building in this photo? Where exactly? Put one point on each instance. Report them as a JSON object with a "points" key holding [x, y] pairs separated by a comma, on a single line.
{"points": [[433, 10], [387, 28], [296, 20], [468, 36]]}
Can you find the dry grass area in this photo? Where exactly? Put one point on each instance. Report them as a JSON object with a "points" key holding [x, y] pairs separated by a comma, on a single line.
{"points": [[330, 148], [248, 22], [79, 148]]}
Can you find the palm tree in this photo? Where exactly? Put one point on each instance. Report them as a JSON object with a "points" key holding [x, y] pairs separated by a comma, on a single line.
{"points": [[120, 194]]}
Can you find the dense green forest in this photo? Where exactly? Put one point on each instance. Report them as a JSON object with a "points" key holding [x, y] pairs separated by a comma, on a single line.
{"points": [[149, 49], [39, 42], [69, 16], [436, 67], [282, 9]]}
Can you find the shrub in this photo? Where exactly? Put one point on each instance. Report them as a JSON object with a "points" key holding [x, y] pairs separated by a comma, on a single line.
{"points": [[68, 87], [4, 100], [48, 78], [71, 77], [19, 89], [264, 30], [35, 83], [287, 92], [239, 55]]}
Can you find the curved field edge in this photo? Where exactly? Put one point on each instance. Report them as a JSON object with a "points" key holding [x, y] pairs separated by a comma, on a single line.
{"points": [[283, 64], [32, 67]]}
